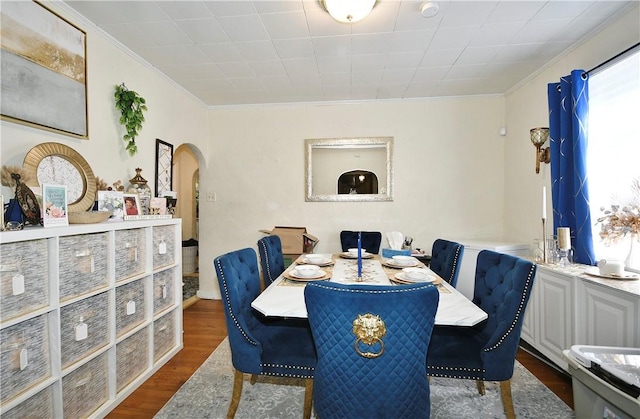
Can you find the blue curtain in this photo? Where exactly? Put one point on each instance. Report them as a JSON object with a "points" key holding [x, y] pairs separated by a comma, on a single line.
{"points": [[568, 114]]}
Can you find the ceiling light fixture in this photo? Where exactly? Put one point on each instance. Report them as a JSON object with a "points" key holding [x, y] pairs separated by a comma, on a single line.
{"points": [[429, 8], [348, 11]]}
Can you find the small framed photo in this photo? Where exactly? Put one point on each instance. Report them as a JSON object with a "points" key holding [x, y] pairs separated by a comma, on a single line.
{"points": [[54, 205], [164, 167], [158, 206], [112, 201], [132, 204]]}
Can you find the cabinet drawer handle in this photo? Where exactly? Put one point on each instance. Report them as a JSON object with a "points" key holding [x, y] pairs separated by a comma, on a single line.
{"points": [[83, 381]]}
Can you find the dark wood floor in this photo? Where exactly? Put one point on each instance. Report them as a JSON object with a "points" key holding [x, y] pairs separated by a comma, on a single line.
{"points": [[204, 329]]}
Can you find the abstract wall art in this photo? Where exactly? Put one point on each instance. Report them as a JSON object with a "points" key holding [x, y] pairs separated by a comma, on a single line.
{"points": [[44, 80]]}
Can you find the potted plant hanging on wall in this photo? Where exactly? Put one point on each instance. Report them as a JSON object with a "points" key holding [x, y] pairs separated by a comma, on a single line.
{"points": [[131, 106]]}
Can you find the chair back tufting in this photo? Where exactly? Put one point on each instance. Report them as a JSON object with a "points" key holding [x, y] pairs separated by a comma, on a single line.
{"points": [[271, 258], [276, 347], [371, 240], [239, 281], [445, 260], [260, 345], [502, 288], [487, 351], [382, 378]]}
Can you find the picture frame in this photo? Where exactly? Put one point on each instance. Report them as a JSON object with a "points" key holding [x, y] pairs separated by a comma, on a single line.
{"points": [[52, 62], [55, 210], [158, 206], [164, 167], [132, 204], [112, 201]]}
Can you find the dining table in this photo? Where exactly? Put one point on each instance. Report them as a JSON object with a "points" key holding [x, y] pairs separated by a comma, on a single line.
{"points": [[284, 298]]}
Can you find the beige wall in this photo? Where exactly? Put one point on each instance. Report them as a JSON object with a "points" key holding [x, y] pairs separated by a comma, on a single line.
{"points": [[449, 174], [455, 176], [172, 116], [527, 107]]}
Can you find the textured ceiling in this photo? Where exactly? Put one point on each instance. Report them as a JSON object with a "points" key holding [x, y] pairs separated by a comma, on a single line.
{"points": [[258, 52]]}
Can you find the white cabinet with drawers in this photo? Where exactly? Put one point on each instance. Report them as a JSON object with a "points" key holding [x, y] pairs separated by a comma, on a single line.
{"points": [[570, 307], [608, 316], [549, 318], [88, 313]]}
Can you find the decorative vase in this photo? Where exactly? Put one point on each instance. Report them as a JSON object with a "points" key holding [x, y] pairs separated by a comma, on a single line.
{"points": [[633, 258], [138, 185]]}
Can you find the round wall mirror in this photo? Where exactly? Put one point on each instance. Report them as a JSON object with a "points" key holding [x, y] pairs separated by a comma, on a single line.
{"points": [[57, 164]]}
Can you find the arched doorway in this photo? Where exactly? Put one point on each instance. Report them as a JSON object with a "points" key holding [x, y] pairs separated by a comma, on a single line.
{"points": [[358, 182], [186, 183]]}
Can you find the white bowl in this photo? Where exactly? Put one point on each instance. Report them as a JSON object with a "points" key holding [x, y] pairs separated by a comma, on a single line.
{"points": [[415, 273], [314, 258], [403, 260], [354, 251], [307, 270]]}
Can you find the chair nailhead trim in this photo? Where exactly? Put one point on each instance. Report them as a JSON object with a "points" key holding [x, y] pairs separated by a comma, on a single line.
{"points": [[263, 249], [392, 290], [527, 290], [295, 367], [454, 372], [463, 377], [438, 367], [455, 262], [228, 303]]}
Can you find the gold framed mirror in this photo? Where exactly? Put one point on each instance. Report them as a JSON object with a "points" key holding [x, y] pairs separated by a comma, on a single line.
{"points": [[332, 163], [57, 164]]}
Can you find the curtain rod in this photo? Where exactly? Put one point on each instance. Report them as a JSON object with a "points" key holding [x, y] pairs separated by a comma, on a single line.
{"points": [[615, 57]]}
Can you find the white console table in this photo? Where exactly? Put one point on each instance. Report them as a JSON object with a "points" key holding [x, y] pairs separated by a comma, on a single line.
{"points": [[568, 307], [88, 313]]}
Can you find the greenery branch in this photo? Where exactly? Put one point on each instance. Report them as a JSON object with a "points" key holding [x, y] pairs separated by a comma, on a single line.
{"points": [[131, 106]]}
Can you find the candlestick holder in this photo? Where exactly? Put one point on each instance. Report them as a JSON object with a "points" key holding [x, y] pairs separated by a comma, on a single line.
{"points": [[565, 257], [544, 241]]}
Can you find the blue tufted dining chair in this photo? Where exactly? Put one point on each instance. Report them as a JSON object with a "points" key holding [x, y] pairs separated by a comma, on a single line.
{"points": [[370, 240], [384, 377], [445, 260], [487, 352], [271, 258], [260, 346]]}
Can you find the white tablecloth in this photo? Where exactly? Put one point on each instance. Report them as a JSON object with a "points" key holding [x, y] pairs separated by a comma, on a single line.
{"points": [[284, 298]]}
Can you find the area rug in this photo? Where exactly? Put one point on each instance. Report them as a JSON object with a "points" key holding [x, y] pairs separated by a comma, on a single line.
{"points": [[207, 394], [190, 286]]}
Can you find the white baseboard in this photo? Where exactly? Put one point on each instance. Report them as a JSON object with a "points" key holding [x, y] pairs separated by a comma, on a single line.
{"points": [[208, 295]]}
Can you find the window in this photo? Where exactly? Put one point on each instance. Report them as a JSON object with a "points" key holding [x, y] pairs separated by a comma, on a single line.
{"points": [[613, 156]]}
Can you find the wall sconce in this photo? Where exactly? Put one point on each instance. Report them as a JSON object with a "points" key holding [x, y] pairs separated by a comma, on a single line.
{"points": [[348, 11], [539, 136]]}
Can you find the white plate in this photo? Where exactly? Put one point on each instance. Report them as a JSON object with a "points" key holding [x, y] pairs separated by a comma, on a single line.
{"points": [[392, 263], [318, 274], [401, 276], [625, 276], [348, 255]]}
